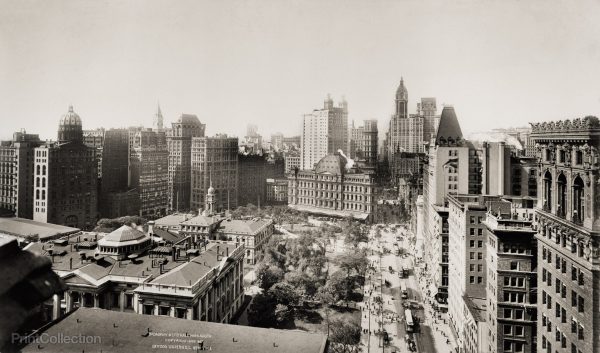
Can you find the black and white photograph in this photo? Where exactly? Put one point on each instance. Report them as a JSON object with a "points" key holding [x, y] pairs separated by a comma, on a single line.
{"points": [[299, 176]]}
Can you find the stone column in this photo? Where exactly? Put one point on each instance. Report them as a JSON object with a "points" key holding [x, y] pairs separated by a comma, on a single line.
{"points": [[55, 307], [69, 301], [96, 300], [122, 300], [190, 313]]}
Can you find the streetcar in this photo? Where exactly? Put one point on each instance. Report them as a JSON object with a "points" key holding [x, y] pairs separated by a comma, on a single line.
{"points": [[408, 319]]}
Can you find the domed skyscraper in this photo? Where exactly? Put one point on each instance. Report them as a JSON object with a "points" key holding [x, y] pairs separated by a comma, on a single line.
{"points": [[69, 128], [66, 178]]}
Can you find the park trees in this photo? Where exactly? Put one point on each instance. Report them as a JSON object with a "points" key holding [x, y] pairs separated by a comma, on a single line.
{"points": [[267, 275], [345, 336]]}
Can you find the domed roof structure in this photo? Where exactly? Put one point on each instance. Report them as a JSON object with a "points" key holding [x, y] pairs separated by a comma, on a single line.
{"points": [[71, 118], [333, 164], [69, 127], [188, 119]]}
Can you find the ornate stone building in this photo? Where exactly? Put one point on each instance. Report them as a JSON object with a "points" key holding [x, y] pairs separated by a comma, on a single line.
{"points": [[66, 178], [568, 235], [333, 190]]}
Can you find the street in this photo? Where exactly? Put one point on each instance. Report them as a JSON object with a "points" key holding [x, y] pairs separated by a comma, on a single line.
{"points": [[383, 309]]}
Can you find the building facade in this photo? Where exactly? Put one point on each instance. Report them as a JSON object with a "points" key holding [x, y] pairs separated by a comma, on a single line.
{"points": [[511, 280], [251, 179], [364, 143], [292, 161], [277, 191], [445, 173], [66, 178], [568, 235], [179, 142], [324, 131], [331, 189], [148, 166], [215, 162], [253, 234], [467, 260], [17, 158]]}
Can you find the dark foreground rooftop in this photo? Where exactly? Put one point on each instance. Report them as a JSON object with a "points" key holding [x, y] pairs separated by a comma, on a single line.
{"points": [[112, 331]]}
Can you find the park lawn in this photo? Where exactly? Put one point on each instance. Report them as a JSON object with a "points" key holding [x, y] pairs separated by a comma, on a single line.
{"points": [[315, 320]]}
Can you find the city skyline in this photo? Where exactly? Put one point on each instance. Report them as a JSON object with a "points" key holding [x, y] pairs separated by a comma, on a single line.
{"points": [[229, 62]]}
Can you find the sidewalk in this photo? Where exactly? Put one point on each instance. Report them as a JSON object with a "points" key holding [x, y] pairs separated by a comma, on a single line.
{"points": [[444, 339]]}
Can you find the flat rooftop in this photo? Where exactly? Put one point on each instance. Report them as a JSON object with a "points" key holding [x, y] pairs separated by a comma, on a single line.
{"points": [[477, 307], [112, 331], [22, 227]]}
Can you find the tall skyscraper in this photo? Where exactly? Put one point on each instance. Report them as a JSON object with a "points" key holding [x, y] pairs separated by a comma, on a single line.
{"points": [[95, 139], [215, 162], [364, 142], [568, 229], [148, 165], [467, 265], [179, 141], [325, 131], [116, 198], [447, 172], [511, 281], [66, 178], [251, 179], [16, 174], [411, 132]]}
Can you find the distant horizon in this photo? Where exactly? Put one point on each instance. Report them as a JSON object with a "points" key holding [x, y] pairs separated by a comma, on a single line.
{"points": [[267, 62]]}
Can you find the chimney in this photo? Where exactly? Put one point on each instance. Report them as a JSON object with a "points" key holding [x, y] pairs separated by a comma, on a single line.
{"points": [[227, 251], [218, 251], [71, 263], [173, 257]]}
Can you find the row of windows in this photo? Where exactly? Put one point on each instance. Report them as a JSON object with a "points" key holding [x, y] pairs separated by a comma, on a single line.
{"points": [[560, 263]]}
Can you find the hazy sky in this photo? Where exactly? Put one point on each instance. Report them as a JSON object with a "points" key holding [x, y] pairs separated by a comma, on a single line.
{"points": [[500, 63]]}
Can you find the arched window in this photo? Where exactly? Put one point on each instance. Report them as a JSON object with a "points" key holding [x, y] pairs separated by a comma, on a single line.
{"points": [[547, 191], [37, 194], [37, 182], [43, 194], [44, 170], [578, 200], [561, 185], [37, 170], [44, 182]]}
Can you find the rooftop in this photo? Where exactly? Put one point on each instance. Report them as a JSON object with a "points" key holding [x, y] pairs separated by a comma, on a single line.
{"points": [[238, 226], [201, 220], [173, 219], [132, 333], [190, 272], [449, 131], [69, 256], [476, 307], [21, 227]]}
